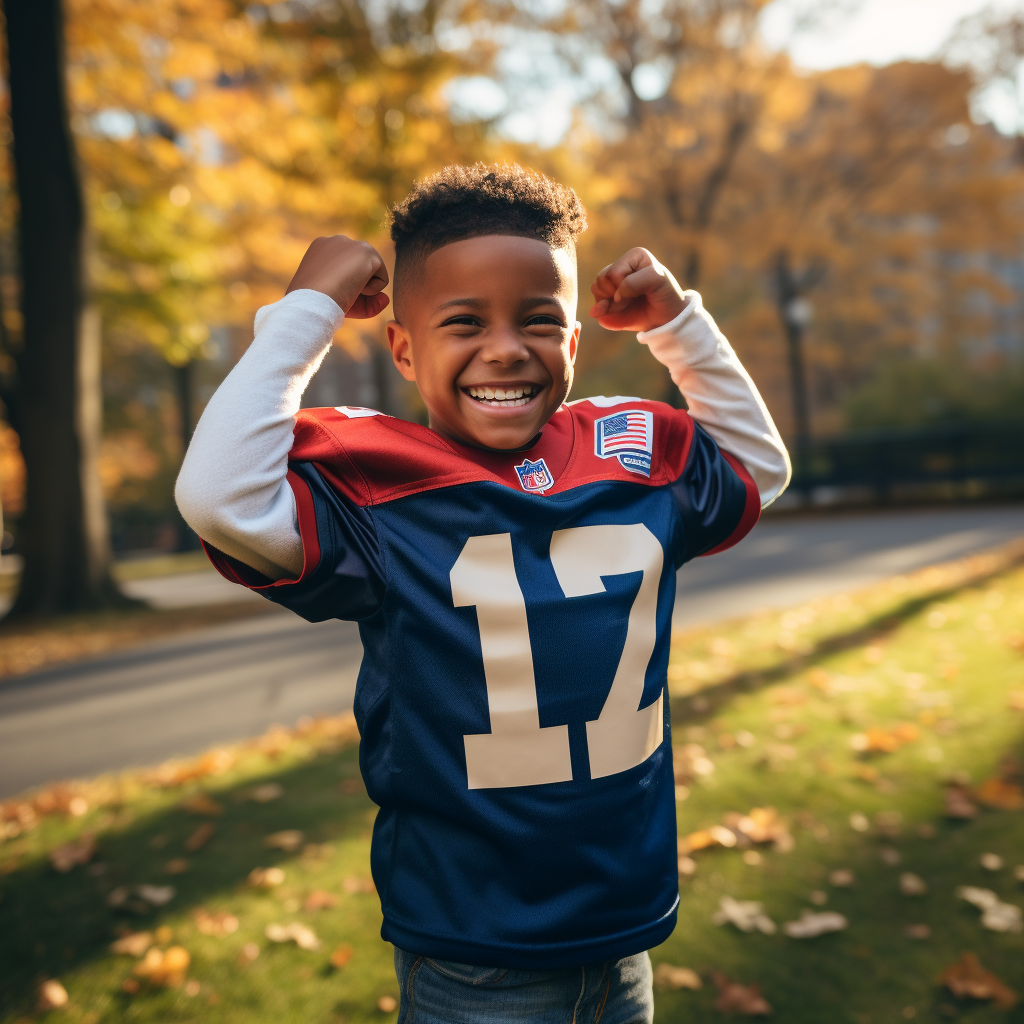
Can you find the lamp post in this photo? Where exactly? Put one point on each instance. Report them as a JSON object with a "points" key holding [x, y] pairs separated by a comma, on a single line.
{"points": [[796, 314]]}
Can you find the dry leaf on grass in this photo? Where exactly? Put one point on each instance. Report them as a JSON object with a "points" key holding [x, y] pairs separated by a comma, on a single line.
{"points": [[885, 741], [288, 840], [717, 835], [132, 944], [266, 878], [341, 956], [763, 825], [967, 979], [957, 803], [266, 792], [917, 931], [387, 1004], [996, 916], [52, 995], [668, 977], [842, 878], [815, 923], [353, 885], [912, 885], [1000, 794], [303, 937], [747, 915], [164, 968], [320, 899], [736, 998], [147, 895], [200, 837], [202, 804], [70, 855], [991, 862], [219, 924]]}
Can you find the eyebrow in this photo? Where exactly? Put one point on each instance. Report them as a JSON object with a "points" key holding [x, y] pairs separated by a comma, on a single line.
{"points": [[538, 300]]}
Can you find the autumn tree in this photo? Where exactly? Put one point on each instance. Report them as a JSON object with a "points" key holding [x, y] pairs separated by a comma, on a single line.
{"points": [[53, 398]]}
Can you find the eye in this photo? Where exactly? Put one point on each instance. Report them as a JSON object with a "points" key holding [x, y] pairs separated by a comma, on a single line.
{"points": [[462, 320], [545, 320]]}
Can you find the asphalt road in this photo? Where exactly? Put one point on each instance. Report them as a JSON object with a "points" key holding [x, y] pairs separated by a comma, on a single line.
{"points": [[189, 692]]}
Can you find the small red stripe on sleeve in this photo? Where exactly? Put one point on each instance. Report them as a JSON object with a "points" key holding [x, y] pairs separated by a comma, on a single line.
{"points": [[237, 572], [751, 508]]}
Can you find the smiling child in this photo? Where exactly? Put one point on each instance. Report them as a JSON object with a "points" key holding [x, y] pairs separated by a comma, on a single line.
{"points": [[512, 567]]}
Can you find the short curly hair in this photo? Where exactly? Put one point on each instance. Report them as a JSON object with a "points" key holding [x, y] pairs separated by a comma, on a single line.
{"points": [[460, 202]]}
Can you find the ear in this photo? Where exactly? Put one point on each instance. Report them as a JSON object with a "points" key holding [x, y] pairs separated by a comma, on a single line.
{"points": [[574, 342], [401, 349]]}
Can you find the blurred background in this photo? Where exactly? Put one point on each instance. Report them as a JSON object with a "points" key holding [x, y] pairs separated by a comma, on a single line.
{"points": [[842, 180]]}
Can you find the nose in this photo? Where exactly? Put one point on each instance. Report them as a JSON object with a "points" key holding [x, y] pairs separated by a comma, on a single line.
{"points": [[504, 347]]}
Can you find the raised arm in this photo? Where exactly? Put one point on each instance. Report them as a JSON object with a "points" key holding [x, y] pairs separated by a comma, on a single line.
{"points": [[638, 293], [232, 488]]}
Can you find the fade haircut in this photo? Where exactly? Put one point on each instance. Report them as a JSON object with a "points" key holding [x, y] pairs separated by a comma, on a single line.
{"points": [[462, 202]]}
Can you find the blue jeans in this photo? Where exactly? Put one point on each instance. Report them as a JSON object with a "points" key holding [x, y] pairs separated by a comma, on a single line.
{"points": [[442, 992]]}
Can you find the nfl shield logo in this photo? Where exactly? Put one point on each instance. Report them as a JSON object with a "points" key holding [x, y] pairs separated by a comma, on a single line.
{"points": [[534, 476], [627, 436]]}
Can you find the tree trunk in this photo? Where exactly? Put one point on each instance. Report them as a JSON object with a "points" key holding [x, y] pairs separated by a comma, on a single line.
{"points": [[184, 380], [57, 400]]}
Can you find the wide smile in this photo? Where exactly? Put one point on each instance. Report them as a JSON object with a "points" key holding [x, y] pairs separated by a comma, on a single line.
{"points": [[509, 396]]}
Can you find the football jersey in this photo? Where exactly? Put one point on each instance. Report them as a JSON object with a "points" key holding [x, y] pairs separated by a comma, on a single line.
{"points": [[515, 610]]}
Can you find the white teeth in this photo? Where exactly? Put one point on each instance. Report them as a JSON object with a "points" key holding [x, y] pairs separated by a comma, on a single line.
{"points": [[505, 398]]}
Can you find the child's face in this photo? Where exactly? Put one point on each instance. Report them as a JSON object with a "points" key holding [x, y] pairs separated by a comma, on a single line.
{"points": [[483, 317]]}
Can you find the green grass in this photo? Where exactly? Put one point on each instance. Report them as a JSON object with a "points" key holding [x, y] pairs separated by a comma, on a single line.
{"points": [[942, 650]]}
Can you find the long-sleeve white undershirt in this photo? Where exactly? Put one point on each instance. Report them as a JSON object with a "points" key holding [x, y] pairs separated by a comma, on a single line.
{"points": [[232, 488]]}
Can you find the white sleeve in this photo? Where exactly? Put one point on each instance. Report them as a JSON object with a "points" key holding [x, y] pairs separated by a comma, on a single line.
{"points": [[232, 488], [720, 394]]}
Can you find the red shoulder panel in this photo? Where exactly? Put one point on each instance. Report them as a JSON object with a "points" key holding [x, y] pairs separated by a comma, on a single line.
{"points": [[373, 458]]}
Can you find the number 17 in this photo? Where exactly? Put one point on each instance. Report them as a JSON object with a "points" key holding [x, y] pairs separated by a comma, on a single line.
{"points": [[518, 751]]}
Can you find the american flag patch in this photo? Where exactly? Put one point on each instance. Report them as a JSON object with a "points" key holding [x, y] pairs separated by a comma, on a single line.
{"points": [[627, 436]]}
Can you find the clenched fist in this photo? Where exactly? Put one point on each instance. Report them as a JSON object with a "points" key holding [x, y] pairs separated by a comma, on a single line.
{"points": [[636, 293], [349, 271]]}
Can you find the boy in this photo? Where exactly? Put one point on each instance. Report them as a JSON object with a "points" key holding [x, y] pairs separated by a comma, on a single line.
{"points": [[512, 568]]}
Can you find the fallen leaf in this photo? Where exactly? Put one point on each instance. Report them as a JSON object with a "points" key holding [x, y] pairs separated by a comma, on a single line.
{"points": [[200, 837], [341, 956], [250, 951], [219, 924], [70, 855], [203, 804], [996, 916], [156, 895], [991, 861], [889, 855], [736, 998], [859, 822], [842, 878], [178, 866], [763, 825], [192, 988], [716, 835], [353, 885], [747, 915], [1000, 794], [266, 878], [303, 937], [164, 968], [668, 977], [289, 840], [266, 792], [885, 741], [957, 803], [52, 995], [917, 931], [320, 899], [132, 944], [967, 979], [912, 885], [1018, 872], [387, 1004], [812, 924], [130, 985]]}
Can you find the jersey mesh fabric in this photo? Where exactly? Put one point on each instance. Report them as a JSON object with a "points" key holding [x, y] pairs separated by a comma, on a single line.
{"points": [[551, 873]]}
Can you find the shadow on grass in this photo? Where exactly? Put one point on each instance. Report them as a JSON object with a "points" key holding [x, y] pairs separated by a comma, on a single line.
{"points": [[710, 700], [52, 923]]}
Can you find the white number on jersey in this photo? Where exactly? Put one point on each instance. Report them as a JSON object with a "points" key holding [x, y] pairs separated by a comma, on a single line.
{"points": [[518, 751]]}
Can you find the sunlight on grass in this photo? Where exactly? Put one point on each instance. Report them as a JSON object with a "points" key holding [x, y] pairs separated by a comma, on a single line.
{"points": [[860, 719]]}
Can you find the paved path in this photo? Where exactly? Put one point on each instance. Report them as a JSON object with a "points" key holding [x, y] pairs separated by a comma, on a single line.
{"points": [[187, 693]]}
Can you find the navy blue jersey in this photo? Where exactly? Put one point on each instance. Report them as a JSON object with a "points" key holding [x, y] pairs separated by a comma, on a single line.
{"points": [[515, 610]]}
